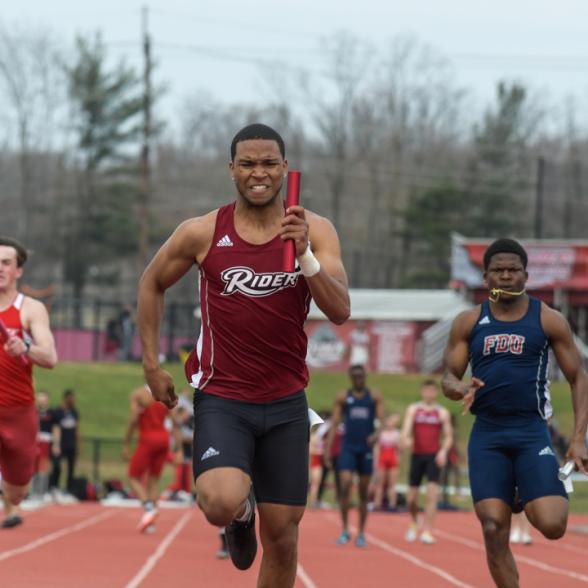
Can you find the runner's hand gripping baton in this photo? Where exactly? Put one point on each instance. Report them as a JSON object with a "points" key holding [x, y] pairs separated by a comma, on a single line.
{"points": [[292, 199], [5, 335], [564, 474]]}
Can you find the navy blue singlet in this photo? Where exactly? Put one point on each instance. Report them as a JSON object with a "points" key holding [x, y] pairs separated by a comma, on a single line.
{"points": [[511, 358], [359, 415]]}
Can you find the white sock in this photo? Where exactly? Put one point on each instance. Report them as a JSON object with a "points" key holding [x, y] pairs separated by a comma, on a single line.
{"points": [[246, 516]]}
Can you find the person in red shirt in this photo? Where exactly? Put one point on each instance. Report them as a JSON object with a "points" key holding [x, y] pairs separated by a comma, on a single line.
{"points": [[149, 418], [251, 414], [427, 431], [29, 342]]}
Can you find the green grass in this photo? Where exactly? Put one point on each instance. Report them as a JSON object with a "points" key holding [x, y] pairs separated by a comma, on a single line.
{"points": [[102, 391]]}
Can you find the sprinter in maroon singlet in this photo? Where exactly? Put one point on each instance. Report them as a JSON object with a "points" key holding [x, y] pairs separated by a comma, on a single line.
{"points": [[425, 424], [251, 418], [30, 342]]}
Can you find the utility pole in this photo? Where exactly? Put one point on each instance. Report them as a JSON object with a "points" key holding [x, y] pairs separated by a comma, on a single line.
{"points": [[145, 168], [539, 194]]}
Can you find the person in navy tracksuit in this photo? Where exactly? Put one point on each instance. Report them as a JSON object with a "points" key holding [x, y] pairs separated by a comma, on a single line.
{"points": [[506, 340]]}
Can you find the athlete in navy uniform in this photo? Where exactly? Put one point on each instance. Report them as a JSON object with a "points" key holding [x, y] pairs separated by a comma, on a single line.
{"points": [[507, 340], [358, 408]]}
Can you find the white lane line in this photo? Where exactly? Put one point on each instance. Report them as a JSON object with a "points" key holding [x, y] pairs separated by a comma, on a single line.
{"points": [[417, 561], [159, 552], [409, 557], [54, 536], [304, 577], [522, 558]]}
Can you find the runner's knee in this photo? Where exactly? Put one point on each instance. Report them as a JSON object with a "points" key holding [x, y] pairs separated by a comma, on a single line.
{"points": [[15, 494], [495, 533], [553, 529], [219, 508], [281, 546]]}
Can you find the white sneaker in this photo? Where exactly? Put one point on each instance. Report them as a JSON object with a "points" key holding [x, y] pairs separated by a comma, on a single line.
{"points": [[526, 539], [150, 529], [427, 538], [147, 520], [411, 533], [515, 536]]}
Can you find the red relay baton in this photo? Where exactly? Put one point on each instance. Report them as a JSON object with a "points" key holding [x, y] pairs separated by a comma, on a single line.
{"points": [[292, 199], [5, 335]]}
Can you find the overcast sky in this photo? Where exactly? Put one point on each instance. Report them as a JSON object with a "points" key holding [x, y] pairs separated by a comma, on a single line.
{"points": [[543, 42]]}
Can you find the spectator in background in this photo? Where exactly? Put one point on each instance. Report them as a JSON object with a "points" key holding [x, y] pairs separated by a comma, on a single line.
{"points": [[127, 332], [181, 488], [48, 445], [388, 462], [67, 418], [359, 345]]}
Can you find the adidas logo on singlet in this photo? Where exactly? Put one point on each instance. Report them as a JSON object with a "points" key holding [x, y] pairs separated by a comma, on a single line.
{"points": [[547, 451], [484, 321], [225, 242], [210, 452]]}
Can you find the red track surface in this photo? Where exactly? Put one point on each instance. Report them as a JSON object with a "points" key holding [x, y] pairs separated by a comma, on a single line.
{"points": [[88, 546]]}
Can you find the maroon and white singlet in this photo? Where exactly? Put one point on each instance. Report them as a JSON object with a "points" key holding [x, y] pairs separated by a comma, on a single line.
{"points": [[252, 345], [427, 429]]}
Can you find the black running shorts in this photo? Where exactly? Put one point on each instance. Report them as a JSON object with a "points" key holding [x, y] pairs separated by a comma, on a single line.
{"points": [[269, 442], [423, 464]]}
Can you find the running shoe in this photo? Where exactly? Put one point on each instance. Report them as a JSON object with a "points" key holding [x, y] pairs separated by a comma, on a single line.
{"points": [[343, 538], [526, 539], [515, 536], [360, 541], [427, 538], [411, 533], [150, 529], [241, 539], [11, 521], [147, 519]]}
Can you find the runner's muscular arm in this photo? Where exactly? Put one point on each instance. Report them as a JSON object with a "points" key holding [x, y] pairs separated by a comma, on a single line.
{"points": [[447, 429], [558, 331], [380, 416], [456, 359], [328, 287], [131, 424], [42, 351], [188, 245], [407, 426], [336, 419]]}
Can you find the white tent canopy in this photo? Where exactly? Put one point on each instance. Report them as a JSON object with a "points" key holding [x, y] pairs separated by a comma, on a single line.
{"points": [[401, 305]]}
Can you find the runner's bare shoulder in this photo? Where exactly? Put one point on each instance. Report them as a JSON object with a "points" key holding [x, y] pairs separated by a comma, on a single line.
{"points": [[465, 321], [194, 236]]}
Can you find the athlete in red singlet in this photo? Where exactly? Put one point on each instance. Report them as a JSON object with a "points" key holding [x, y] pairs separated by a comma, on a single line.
{"points": [[388, 462], [149, 418], [425, 423], [251, 418], [30, 342]]}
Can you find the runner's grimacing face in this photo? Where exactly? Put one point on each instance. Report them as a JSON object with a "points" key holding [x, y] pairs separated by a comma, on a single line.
{"points": [[259, 170], [9, 270], [506, 272]]}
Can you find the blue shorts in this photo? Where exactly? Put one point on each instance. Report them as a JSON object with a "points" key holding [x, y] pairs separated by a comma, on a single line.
{"points": [[502, 458], [356, 460]]}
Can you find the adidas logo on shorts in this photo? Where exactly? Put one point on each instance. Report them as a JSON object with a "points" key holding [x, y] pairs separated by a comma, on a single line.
{"points": [[225, 242], [547, 451], [210, 452]]}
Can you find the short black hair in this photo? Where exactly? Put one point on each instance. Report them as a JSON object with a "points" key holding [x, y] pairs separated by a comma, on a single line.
{"points": [[21, 253], [357, 367], [505, 246], [257, 131], [68, 393]]}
